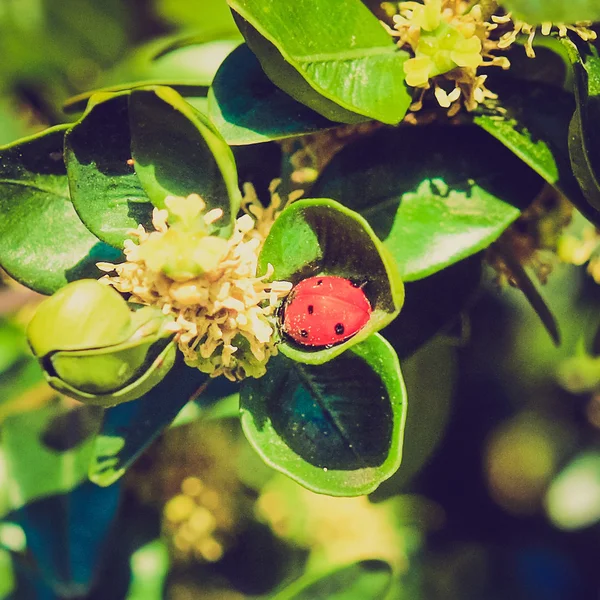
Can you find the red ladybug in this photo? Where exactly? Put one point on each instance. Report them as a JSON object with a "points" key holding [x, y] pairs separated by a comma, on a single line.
{"points": [[323, 311]]}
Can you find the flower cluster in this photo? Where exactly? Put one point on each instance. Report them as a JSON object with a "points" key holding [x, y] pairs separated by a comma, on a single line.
{"points": [[585, 248], [517, 27], [451, 40], [223, 311]]}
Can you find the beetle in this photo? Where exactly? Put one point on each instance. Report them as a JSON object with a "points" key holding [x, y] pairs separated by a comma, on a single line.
{"points": [[325, 310]]}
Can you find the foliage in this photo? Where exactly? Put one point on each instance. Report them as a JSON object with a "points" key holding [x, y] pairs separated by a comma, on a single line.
{"points": [[412, 149]]}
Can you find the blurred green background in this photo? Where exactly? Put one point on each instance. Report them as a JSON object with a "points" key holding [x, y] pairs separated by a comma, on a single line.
{"points": [[499, 493]]}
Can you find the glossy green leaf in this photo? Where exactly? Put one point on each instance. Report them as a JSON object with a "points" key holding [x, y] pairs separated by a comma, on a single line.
{"points": [[554, 11], [105, 188], [180, 62], [434, 194], [334, 57], [178, 152], [584, 140], [43, 244], [364, 580], [534, 124], [335, 428], [128, 429], [35, 470], [247, 108], [322, 237]]}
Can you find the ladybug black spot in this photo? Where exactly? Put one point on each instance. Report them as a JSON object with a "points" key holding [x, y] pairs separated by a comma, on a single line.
{"points": [[303, 333], [339, 329], [311, 309], [320, 282]]}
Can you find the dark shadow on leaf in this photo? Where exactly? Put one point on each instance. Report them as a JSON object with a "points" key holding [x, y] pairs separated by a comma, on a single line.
{"points": [[41, 156], [247, 98], [103, 138], [86, 267], [141, 212]]}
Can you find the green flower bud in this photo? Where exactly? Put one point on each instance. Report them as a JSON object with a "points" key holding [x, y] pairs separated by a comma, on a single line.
{"points": [[97, 348]]}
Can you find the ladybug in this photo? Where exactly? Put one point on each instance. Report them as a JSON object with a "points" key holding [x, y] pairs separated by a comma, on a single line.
{"points": [[324, 311]]}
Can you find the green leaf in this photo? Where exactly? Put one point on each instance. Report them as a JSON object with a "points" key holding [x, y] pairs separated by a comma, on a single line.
{"points": [[179, 62], [335, 428], [36, 470], [129, 428], [105, 188], [554, 11], [43, 244], [434, 194], [584, 140], [67, 537], [334, 57], [247, 108], [533, 122], [364, 580], [322, 237], [178, 152]]}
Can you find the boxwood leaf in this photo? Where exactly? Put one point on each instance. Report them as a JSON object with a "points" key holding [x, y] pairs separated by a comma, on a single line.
{"points": [[334, 57], [322, 237], [66, 519], [434, 194], [534, 123], [177, 151], [247, 108], [68, 536], [176, 60], [364, 580], [536, 12], [584, 141], [335, 428], [105, 188], [43, 243], [129, 428], [180, 62]]}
